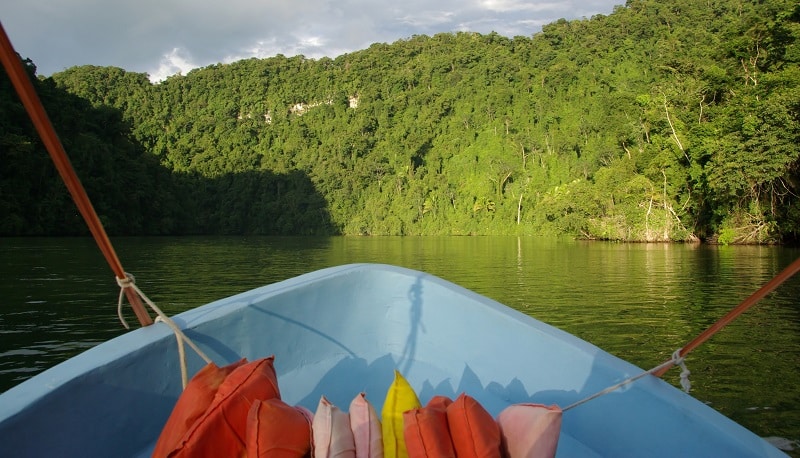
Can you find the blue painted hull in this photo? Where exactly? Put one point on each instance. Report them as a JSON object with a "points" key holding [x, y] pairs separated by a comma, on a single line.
{"points": [[343, 330]]}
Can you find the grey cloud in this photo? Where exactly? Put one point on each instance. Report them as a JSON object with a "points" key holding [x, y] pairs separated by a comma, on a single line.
{"points": [[164, 35]]}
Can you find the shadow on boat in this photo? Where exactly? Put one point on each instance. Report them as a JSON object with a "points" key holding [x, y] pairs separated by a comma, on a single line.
{"points": [[338, 355]]}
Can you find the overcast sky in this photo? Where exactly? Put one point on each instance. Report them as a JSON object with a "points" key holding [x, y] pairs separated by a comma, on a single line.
{"points": [[164, 37]]}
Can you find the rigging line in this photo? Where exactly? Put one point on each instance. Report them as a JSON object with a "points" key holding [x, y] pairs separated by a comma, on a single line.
{"points": [[770, 286], [676, 360], [27, 94], [678, 356], [129, 283]]}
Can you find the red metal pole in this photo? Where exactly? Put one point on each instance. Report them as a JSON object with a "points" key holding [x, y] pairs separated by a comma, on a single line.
{"points": [[27, 93]]}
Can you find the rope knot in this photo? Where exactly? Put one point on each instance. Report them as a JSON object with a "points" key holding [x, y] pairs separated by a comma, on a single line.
{"points": [[126, 282], [679, 360]]}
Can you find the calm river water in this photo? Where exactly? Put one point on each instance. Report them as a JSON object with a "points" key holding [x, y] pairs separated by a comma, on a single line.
{"points": [[637, 301]]}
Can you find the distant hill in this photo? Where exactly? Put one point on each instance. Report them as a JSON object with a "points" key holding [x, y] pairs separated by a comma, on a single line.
{"points": [[663, 121]]}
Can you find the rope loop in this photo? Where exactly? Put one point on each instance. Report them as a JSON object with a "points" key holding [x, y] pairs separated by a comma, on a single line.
{"points": [[130, 282]]}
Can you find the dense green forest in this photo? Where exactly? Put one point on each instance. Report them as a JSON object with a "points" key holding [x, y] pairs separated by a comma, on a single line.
{"points": [[662, 121]]}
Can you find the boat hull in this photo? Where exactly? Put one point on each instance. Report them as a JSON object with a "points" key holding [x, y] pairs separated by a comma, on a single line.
{"points": [[343, 330]]}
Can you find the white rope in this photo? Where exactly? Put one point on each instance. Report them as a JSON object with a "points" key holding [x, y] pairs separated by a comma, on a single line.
{"points": [[129, 282], [181, 354], [676, 360]]}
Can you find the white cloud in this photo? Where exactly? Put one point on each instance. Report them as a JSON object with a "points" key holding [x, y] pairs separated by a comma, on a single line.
{"points": [[173, 63]]}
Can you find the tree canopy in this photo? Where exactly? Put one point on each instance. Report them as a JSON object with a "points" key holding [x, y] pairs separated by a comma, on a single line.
{"points": [[657, 122]]}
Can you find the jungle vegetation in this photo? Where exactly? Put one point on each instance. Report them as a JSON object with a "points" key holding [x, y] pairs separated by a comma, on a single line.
{"points": [[662, 121]]}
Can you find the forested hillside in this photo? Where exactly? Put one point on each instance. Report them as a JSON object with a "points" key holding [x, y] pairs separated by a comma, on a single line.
{"points": [[661, 121]]}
